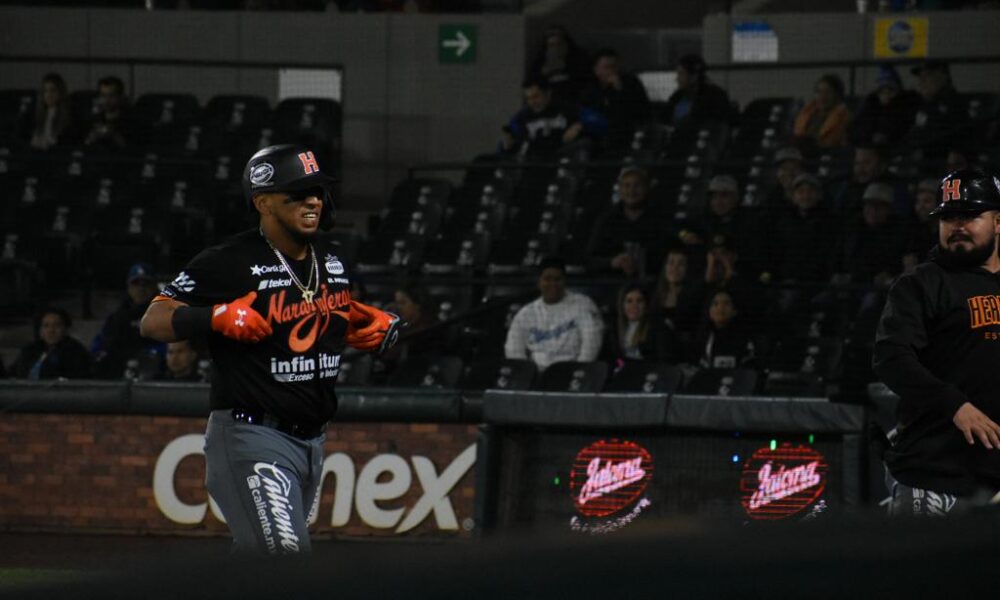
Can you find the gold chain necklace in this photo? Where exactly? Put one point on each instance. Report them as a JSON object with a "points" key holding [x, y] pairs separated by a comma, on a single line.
{"points": [[307, 290]]}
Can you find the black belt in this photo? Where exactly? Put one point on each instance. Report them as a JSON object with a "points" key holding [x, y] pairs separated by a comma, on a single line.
{"points": [[303, 432]]}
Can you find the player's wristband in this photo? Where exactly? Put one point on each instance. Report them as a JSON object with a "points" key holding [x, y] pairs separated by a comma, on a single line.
{"points": [[191, 321]]}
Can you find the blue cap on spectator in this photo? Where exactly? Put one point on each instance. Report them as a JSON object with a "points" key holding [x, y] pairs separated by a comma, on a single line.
{"points": [[887, 75], [140, 271]]}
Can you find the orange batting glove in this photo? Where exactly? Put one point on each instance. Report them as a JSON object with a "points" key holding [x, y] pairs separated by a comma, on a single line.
{"points": [[371, 329], [239, 321]]}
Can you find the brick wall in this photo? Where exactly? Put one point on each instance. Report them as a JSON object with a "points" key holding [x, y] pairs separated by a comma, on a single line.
{"points": [[95, 472]]}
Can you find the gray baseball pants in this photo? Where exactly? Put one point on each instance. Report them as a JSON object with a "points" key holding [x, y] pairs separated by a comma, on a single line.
{"points": [[265, 482]]}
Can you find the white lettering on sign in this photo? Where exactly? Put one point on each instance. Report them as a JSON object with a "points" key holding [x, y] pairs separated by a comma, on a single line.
{"points": [[610, 477], [163, 482], [384, 478], [783, 483]]}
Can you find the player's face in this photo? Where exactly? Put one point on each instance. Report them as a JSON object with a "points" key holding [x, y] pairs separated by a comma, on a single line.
{"points": [[299, 213], [552, 285], [969, 238], [52, 329], [634, 305]]}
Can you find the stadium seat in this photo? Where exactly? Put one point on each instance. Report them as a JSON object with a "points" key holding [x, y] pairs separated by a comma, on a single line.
{"points": [[355, 369], [84, 105], [520, 254], [722, 382], [498, 373], [383, 254], [416, 193], [796, 385], [164, 119], [573, 376], [646, 377], [15, 107], [455, 254], [816, 355], [237, 114], [425, 371], [312, 122]]}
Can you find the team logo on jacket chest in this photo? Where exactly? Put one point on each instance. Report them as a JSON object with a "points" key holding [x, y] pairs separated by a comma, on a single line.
{"points": [[333, 265], [311, 319], [984, 311]]}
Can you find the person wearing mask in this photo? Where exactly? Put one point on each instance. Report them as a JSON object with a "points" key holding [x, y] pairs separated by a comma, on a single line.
{"points": [[558, 326], [822, 122], [54, 354]]}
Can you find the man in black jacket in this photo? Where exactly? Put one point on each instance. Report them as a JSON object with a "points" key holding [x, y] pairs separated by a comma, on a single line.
{"points": [[938, 347]]}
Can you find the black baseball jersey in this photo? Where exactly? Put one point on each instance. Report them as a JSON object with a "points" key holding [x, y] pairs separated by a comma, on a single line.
{"points": [[291, 374], [938, 346]]}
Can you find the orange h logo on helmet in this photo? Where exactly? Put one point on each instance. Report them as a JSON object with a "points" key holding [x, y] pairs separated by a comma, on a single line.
{"points": [[309, 164], [951, 190]]}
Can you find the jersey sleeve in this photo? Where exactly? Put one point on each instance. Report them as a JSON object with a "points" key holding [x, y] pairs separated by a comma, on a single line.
{"points": [[207, 280], [901, 335]]}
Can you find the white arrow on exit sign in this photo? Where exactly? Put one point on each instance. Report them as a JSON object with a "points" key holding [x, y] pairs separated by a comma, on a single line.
{"points": [[460, 43]]}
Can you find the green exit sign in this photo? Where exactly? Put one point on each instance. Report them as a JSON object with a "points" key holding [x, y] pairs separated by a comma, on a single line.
{"points": [[457, 43]]}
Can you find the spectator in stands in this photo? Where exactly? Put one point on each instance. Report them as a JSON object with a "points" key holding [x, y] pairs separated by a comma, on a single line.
{"points": [[823, 121], [54, 354], [678, 298], [543, 128], [620, 97], [787, 166], [870, 166], [558, 326], [697, 101], [562, 64], [956, 160], [414, 305], [724, 219], [724, 341], [922, 231], [112, 126], [181, 362], [887, 113], [941, 119], [635, 334], [119, 339], [803, 241], [53, 120], [873, 245], [627, 235]]}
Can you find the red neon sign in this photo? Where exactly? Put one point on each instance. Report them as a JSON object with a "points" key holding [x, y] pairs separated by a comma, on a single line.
{"points": [[779, 483], [607, 476]]}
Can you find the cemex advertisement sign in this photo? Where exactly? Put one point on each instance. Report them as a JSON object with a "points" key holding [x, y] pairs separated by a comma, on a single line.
{"points": [[144, 474], [593, 483]]}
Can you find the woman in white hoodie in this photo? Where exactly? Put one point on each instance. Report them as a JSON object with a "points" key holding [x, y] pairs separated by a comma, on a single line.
{"points": [[558, 326]]}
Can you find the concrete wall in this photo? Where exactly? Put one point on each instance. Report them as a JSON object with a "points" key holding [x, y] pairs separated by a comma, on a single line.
{"points": [[850, 37], [401, 106]]}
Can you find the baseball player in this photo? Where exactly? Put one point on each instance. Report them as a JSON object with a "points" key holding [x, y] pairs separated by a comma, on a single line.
{"points": [[275, 305], [938, 348]]}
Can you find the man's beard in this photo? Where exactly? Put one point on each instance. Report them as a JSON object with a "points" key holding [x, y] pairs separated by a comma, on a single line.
{"points": [[974, 257], [300, 237]]}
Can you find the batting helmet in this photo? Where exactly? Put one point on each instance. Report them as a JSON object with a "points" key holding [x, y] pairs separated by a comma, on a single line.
{"points": [[286, 168], [968, 191]]}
